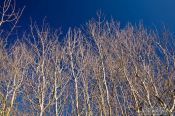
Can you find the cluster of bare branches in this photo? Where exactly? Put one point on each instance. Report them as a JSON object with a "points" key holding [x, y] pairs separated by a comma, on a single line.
{"points": [[102, 69], [9, 17]]}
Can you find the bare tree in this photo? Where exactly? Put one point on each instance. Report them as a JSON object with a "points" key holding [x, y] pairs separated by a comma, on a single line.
{"points": [[13, 71]]}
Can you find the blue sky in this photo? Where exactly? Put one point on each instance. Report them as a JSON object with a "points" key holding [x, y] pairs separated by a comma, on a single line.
{"points": [[65, 13]]}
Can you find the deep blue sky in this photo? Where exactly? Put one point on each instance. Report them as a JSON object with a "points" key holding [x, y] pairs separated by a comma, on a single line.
{"points": [[65, 13]]}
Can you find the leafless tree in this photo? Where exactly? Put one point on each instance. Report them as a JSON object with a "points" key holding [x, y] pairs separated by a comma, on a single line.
{"points": [[13, 69]]}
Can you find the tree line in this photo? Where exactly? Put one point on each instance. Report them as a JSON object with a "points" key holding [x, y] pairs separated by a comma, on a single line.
{"points": [[101, 69]]}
